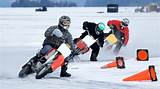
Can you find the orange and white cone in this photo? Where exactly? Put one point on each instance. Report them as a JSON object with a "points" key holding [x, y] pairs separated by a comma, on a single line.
{"points": [[148, 74], [110, 65], [119, 63]]}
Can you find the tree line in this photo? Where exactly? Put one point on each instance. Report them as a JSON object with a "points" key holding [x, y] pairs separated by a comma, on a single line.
{"points": [[48, 3]]}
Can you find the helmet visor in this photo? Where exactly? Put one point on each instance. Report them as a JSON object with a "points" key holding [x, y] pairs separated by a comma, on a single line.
{"points": [[66, 23]]}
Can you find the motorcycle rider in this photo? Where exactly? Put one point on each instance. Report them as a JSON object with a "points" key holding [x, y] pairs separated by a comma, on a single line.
{"points": [[121, 31], [55, 36]]}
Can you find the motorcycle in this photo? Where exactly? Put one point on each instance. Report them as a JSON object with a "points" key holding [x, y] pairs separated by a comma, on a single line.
{"points": [[84, 44], [55, 58], [48, 63]]}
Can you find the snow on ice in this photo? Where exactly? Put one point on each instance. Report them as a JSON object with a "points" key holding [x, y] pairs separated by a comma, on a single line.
{"points": [[21, 36]]}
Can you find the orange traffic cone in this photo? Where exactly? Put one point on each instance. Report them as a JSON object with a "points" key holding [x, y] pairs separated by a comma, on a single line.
{"points": [[148, 74], [119, 63], [110, 65]]}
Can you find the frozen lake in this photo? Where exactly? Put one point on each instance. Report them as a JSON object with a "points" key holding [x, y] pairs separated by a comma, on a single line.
{"points": [[22, 33]]}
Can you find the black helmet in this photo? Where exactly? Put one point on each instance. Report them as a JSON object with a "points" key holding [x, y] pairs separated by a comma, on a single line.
{"points": [[64, 21]]}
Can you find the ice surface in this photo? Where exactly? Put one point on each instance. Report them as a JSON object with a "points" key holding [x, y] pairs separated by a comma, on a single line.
{"points": [[22, 33]]}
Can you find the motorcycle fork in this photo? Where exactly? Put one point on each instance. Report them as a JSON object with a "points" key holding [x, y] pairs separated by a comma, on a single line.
{"points": [[57, 62]]}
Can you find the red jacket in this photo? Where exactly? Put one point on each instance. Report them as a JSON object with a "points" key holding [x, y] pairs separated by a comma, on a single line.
{"points": [[124, 30]]}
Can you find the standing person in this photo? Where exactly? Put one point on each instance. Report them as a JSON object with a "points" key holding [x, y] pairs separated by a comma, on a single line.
{"points": [[121, 31], [55, 36], [96, 31]]}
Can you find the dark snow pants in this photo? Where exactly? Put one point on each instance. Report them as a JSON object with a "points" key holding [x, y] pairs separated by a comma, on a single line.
{"points": [[95, 50]]}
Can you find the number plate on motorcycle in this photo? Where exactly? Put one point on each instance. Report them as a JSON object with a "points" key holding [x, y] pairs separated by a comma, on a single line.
{"points": [[64, 50], [88, 40], [111, 39]]}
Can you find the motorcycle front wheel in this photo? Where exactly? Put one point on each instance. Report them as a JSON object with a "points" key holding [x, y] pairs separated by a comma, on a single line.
{"points": [[44, 70]]}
